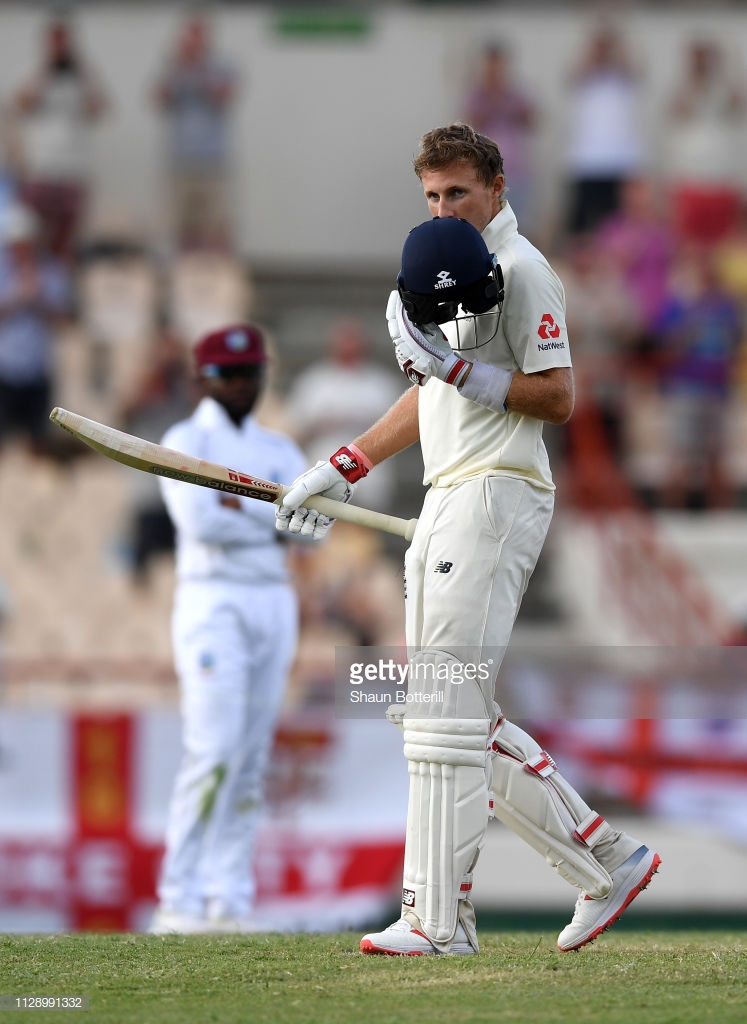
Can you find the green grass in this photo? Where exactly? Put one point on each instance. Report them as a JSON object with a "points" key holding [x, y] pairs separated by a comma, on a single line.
{"points": [[645, 976]]}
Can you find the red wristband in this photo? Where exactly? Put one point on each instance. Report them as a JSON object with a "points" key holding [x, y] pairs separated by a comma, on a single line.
{"points": [[352, 463]]}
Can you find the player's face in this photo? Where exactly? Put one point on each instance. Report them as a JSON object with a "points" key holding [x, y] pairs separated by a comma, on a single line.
{"points": [[456, 191], [237, 389]]}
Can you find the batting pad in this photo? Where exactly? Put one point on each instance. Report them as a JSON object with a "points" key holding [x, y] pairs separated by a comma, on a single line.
{"points": [[447, 818], [533, 799]]}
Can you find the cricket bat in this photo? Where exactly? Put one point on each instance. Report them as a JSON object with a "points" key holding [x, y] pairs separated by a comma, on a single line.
{"points": [[154, 458]]}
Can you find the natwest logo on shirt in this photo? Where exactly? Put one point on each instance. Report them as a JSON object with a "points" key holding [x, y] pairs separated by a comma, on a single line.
{"points": [[548, 328]]}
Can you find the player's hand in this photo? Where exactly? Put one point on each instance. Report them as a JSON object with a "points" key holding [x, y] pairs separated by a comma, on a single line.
{"points": [[335, 479], [423, 352]]}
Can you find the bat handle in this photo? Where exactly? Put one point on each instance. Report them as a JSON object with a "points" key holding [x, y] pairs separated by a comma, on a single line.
{"points": [[356, 514]]}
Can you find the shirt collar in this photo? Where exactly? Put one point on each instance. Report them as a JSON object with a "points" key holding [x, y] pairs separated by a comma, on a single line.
{"points": [[211, 414], [502, 228]]}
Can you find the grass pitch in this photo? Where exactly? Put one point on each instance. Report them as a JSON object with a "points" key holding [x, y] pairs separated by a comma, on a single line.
{"points": [[636, 976]]}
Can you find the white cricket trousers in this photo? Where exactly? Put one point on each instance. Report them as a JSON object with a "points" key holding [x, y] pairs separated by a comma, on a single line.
{"points": [[474, 550], [473, 553], [233, 647]]}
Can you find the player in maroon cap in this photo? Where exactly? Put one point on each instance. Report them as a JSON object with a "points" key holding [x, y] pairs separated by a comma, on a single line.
{"points": [[234, 633]]}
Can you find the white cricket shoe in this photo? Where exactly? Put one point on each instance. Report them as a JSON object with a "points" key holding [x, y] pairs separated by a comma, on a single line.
{"points": [[234, 926], [401, 939], [171, 922], [592, 917], [222, 920]]}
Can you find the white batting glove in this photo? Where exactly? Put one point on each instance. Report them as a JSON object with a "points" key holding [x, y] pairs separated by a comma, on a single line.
{"points": [[335, 479], [423, 352], [303, 522]]}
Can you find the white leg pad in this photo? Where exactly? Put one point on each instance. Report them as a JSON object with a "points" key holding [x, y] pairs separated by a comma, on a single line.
{"points": [[533, 799], [447, 819]]}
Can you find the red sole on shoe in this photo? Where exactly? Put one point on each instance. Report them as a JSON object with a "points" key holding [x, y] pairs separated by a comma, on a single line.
{"points": [[616, 917], [368, 947]]}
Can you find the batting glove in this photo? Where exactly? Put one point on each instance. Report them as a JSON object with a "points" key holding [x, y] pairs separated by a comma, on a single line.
{"points": [[333, 479], [423, 352]]}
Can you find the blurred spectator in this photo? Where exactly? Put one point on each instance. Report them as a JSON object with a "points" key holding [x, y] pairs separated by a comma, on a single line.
{"points": [[195, 92], [699, 332], [706, 116], [498, 107], [337, 397], [10, 153], [163, 395], [604, 138], [6, 606], [639, 242], [56, 109], [730, 257], [604, 323], [35, 294]]}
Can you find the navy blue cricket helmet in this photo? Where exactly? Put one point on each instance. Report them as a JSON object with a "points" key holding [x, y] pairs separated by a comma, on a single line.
{"points": [[446, 264]]}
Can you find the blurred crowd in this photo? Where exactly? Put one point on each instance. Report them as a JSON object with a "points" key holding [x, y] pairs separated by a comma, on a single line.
{"points": [[651, 245], [652, 254]]}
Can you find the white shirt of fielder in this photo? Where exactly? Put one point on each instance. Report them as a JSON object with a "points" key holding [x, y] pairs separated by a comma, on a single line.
{"points": [[234, 631], [213, 542]]}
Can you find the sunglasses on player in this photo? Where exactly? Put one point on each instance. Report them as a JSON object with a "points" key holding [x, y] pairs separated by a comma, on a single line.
{"points": [[248, 370]]}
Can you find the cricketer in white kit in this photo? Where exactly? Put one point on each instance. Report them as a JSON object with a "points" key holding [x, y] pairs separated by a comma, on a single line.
{"points": [[234, 632], [484, 385]]}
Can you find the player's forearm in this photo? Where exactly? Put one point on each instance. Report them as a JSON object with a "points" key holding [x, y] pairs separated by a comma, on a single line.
{"points": [[548, 395], [397, 429]]}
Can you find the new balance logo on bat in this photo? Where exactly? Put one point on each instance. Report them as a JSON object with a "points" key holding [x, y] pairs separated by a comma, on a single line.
{"points": [[443, 567], [263, 489]]}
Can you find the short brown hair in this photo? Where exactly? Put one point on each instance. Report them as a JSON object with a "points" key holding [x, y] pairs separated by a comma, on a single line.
{"points": [[459, 143]]}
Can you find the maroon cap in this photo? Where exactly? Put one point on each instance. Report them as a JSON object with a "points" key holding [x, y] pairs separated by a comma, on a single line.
{"points": [[237, 345]]}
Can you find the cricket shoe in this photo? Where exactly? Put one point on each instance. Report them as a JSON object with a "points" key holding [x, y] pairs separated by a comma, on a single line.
{"points": [[171, 922], [234, 926], [592, 917], [222, 920], [401, 939]]}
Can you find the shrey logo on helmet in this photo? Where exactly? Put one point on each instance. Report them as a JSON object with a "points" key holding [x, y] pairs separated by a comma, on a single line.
{"points": [[444, 280]]}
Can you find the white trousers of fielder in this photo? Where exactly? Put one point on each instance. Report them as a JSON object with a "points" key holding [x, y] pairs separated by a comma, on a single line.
{"points": [[234, 644]]}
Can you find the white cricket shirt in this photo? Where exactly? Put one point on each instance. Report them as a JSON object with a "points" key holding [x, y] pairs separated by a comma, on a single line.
{"points": [[218, 543], [460, 438]]}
